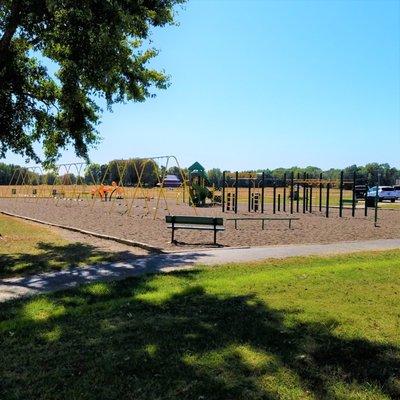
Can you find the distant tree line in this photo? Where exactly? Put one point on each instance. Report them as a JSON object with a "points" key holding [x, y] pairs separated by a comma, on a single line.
{"points": [[128, 171], [125, 172], [367, 174]]}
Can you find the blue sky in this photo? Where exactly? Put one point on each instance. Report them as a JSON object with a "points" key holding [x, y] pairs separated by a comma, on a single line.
{"points": [[263, 84]]}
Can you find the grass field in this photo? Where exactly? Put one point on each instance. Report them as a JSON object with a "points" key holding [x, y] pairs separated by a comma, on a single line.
{"points": [[28, 248], [394, 206], [306, 328]]}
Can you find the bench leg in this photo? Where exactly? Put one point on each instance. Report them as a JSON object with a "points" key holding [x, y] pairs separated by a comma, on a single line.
{"points": [[262, 224], [236, 224], [215, 235], [173, 235], [290, 224]]}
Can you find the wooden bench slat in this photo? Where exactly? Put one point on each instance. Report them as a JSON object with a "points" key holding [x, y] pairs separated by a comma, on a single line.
{"points": [[197, 227], [188, 219]]}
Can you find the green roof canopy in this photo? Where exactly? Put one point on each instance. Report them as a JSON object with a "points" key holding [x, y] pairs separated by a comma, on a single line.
{"points": [[197, 169]]}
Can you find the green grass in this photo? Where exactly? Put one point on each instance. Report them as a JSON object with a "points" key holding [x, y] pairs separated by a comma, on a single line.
{"points": [[27, 248], [303, 328], [395, 206]]}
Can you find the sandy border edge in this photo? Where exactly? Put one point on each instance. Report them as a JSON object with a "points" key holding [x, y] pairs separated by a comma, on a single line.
{"points": [[128, 242]]}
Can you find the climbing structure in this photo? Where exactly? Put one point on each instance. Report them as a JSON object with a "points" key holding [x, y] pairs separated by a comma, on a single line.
{"points": [[198, 180]]}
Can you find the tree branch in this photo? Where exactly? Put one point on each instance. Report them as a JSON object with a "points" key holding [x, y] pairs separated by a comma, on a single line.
{"points": [[11, 26], [47, 103]]}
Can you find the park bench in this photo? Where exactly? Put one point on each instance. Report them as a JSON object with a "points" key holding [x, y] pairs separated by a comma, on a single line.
{"points": [[263, 219], [196, 223]]}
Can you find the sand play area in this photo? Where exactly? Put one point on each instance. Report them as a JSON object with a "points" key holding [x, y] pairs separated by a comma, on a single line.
{"points": [[112, 219]]}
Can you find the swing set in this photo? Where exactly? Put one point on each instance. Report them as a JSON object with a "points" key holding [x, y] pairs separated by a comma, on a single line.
{"points": [[124, 183]]}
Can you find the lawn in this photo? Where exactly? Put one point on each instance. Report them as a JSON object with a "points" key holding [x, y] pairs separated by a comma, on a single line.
{"points": [[301, 328], [27, 248]]}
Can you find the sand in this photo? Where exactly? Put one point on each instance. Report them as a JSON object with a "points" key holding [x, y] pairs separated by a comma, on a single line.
{"points": [[112, 218]]}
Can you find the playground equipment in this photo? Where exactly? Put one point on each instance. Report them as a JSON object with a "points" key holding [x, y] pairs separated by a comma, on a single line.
{"points": [[198, 181], [64, 181], [135, 184], [137, 187], [255, 202], [315, 194], [235, 190], [106, 192], [231, 202]]}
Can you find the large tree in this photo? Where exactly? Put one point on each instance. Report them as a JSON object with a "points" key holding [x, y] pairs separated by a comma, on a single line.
{"points": [[100, 50]]}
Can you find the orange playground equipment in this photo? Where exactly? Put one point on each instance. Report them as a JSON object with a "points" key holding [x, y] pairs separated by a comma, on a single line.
{"points": [[106, 192]]}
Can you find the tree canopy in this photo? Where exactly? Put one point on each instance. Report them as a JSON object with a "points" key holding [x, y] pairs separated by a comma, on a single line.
{"points": [[100, 50]]}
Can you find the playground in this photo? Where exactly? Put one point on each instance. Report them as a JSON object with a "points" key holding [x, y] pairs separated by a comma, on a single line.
{"points": [[131, 199], [111, 219]]}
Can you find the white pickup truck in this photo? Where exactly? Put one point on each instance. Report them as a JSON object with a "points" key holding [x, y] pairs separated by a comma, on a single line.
{"points": [[385, 193]]}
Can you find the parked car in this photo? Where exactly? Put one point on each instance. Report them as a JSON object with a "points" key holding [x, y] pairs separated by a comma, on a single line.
{"points": [[384, 193], [397, 191]]}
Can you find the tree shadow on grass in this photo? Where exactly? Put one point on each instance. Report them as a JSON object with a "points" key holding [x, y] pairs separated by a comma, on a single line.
{"points": [[50, 257], [122, 341]]}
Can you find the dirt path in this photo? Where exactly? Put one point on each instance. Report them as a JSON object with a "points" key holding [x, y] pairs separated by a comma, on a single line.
{"points": [[17, 287]]}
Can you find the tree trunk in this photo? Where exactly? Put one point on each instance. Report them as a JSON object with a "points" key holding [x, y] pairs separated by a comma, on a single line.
{"points": [[11, 26]]}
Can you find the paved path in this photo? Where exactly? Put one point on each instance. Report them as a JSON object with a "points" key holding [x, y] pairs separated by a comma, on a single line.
{"points": [[16, 287]]}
